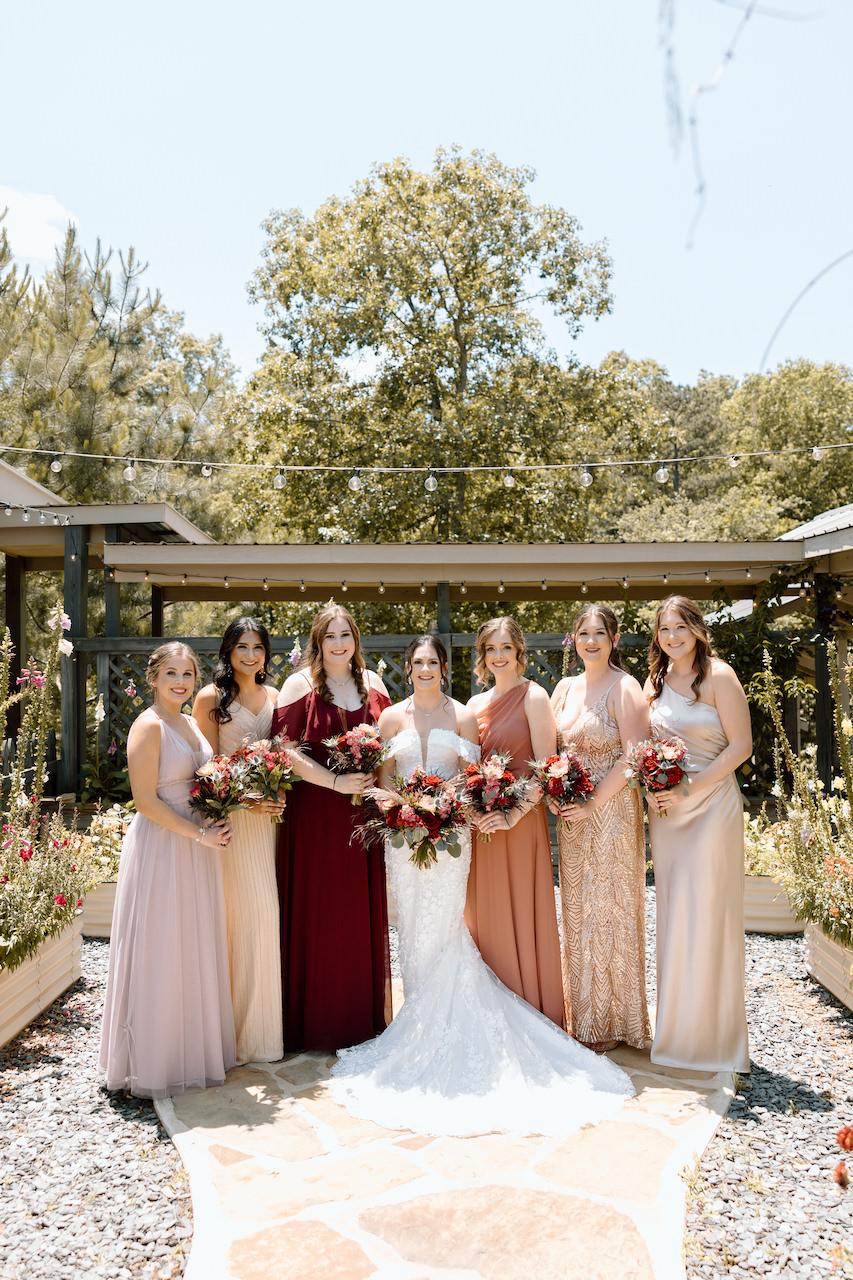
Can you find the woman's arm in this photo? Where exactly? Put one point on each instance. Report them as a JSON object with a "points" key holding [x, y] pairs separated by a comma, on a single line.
{"points": [[294, 690], [143, 761], [389, 727], [206, 702], [543, 740], [631, 712]]}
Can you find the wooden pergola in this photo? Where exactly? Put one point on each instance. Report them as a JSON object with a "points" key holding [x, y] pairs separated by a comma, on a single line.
{"points": [[152, 543]]}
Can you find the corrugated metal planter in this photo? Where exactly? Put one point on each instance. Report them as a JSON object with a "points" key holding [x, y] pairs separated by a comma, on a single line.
{"points": [[766, 908], [27, 991], [98, 910], [830, 964]]}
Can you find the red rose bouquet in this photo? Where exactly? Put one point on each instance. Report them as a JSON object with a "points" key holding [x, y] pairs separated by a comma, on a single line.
{"points": [[217, 791], [424, 813], [490, 785], [563, 777], [263, 769], [657, 765], [358, 750]]}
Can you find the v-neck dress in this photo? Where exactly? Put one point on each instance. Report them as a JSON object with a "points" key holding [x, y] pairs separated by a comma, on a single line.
{"points": [[334, 911], [251, 907], [168, 1025]]}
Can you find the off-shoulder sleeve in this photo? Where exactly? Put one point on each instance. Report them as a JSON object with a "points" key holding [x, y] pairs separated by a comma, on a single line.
{"points": [[290, 721], [469, 751]]}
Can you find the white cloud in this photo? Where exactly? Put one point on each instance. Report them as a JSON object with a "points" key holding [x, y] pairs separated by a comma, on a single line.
{"points": [[35, 224]]}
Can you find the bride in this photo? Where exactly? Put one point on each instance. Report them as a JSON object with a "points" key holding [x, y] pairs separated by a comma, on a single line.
{"points": [[464, 1055]]}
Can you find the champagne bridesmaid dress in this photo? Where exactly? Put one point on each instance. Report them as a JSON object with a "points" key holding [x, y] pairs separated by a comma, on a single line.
{"points": [[602, 889], [510, 912], [698, 857], [251, 908]]}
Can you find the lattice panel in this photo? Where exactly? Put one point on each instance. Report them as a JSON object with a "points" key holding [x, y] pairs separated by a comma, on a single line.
{"points": [[545, 666]]}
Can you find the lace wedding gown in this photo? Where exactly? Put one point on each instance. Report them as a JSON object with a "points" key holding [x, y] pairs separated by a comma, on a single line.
{"points": [[464, 1055]]}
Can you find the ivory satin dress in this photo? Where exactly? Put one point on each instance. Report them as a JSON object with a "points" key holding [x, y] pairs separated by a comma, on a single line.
{"points": [[602, 890], [698, 858], [251, 908]]}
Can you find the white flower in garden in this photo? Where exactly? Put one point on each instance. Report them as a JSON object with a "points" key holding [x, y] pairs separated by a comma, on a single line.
{"points": [[847, 727], [100, 713], [381, 667], [66, 647], [776, 790]]}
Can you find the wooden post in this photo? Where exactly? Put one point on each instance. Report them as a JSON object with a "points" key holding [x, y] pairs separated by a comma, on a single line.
{"points": [[112, 590], [16, 621], [157, 611], [824, 616], [73, 669], [442, 596]]}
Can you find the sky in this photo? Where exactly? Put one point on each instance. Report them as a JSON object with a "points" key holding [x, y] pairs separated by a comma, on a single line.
{"points": [[178, 127]]}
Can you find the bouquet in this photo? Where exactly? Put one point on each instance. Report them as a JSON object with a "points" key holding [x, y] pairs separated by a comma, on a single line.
{"points": [[424, 813], [358, 750], [218, 789], [657, 765], [490, 785], [263, 769], [564, 777]]}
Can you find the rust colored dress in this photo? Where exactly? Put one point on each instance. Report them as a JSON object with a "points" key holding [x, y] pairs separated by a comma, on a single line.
{"points": [[510, 911], [602, 887], [334, 912]]}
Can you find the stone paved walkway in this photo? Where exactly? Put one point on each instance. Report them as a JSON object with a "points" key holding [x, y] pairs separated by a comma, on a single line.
{"points": [[286, 1184]]}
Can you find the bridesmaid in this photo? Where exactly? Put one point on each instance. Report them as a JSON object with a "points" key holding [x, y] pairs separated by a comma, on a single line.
{"points": [[236, 708], [600, 713], [168, 1025], [334, 912], [697, 846], [510, 911]]}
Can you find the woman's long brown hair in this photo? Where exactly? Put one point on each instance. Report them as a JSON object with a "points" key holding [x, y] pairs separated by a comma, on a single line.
{"points": [[691, 614], [611, 626], [312, 658]]}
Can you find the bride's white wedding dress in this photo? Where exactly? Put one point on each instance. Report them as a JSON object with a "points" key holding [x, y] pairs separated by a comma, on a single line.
{"points": [[464, 1055]]}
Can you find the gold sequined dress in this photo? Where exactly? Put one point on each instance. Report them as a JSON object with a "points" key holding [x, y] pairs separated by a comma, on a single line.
{"points": [[602, 887]]}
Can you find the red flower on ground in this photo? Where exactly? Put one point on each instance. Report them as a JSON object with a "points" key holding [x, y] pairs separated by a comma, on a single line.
{"points": [[840, 1175], [844, 1137]]}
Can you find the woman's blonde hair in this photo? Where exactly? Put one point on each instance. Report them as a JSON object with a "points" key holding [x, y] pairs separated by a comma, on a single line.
{"points": [[165, 653], [488, 629], [691, 614], [312, 658]]}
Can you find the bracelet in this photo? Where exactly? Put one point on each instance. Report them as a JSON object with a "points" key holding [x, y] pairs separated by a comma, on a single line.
{"points": [[201, 834]]}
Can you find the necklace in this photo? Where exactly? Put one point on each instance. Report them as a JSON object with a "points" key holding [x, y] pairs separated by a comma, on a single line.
{"points": [[427, 714], [339, 683]]}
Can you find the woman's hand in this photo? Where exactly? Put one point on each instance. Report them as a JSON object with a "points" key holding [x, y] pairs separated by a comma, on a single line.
{"points": [[575, 813], [217, 836], [498, 820], [273, 807], [352, 784], [661, 801]]}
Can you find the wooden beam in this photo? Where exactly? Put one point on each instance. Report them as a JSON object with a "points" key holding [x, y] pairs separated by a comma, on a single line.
{"points": [[156, 611], [16, 621], [73, 669], [112, 589]]}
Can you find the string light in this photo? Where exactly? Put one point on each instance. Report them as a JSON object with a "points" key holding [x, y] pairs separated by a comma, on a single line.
{"points": [[625, 584], [129, 472], [42, 517], [817, 453], [382, 588], [354, 482], [344, 588], [586, 477], [509, 478], [707, 576], [423, 589], [301, 584], [8, 511], [25, 515], [665, 579], [55, 518], [661, 475], [184, 580], [207, 470], [748, 573], [56, 465], [501, 588], [266, 585], [734, 459], [431, 484], [227, 583], [279, 479], [584, 588], [67, 520], [838, 594], [463, 590], [146, 576], [544, 585]]}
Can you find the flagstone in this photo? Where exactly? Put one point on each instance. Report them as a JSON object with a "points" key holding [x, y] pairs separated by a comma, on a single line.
{"points": [[250, 1110], [298, 1251], [615, 1158], [305, 1071], [256, 1191], [482, 1158], [658, 1097], [511, 1233], [349, 1130], [631, 1059], [227, 1155]]}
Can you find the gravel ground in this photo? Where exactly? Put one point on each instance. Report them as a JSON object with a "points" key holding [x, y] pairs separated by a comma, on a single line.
{"points": [[91, 1185]]}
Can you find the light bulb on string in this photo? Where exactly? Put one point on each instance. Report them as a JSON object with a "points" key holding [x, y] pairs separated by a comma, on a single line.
{"points": [[146, 577], [707, 576], [56, 465], [227, 583], [817, 453], [624, 584], [838, 594], [344, 587], [67, 520], [584, 589], [25, 515], [266, 585], [463, 590], [586, 477], [382, 588], [8, 510], [184, 580], [749, 573], [354, 482], [279, 479], [423, 588], [665, 579], [207, 470], [501, 588], [431, 484], [509, 478], [42, 517], [129, 473], [301, 584], [55, 518], [734, 459], [661, 475], [544, 585]]}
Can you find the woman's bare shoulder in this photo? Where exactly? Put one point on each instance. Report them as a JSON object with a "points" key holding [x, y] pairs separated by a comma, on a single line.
{"points": [[295, 687]]}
